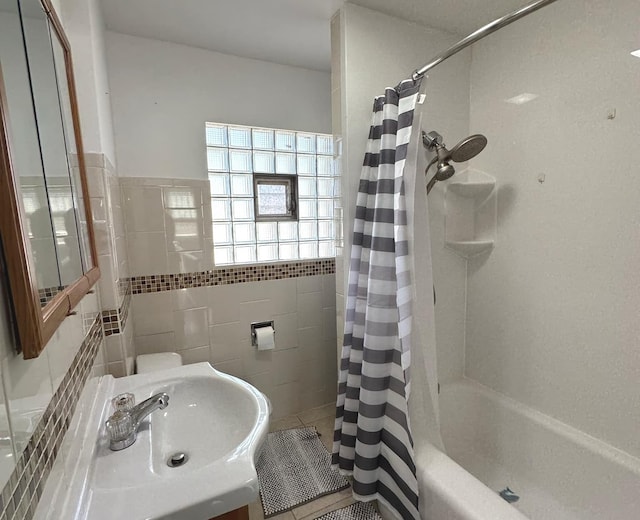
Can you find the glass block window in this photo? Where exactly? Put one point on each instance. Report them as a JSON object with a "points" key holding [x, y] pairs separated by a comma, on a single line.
{"points": [[272, 194]]}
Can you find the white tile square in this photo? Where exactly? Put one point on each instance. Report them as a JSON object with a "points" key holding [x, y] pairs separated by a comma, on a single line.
{"points": [[191, 327], [152, 303], [286, 327], [192, 298], [184, 229], [306, 284], [233, 367], [187, 261], [282, 294], [145, 323], [258, 310], [182, 197], [329, 324], [285, 400], [224, 303], [147, 253], [143, 209], [310, 309], [310, 344], [113, 348], [263, 381], [195, 355], [257, 361], [286, 367], [155, 343], [328, 290], [228, 341]]}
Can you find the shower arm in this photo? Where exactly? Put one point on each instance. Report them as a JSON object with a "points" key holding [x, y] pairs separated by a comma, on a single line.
{"points": [[433, 180], [476, 36]]}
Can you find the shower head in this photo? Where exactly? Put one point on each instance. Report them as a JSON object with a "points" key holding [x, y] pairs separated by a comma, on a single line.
{"points": [[468, 148], [465, 150]]}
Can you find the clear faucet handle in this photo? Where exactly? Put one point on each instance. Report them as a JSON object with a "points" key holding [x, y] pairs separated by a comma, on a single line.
{"points": [[123, 402], [121, 428]]}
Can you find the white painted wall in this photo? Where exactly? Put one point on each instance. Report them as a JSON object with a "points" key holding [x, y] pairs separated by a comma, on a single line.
{"points": [[163, 94], [378, 51], [553, 310], [85, 29]]}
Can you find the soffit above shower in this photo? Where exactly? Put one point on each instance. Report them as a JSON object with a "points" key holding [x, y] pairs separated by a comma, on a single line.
{"points": [[289, 32]]}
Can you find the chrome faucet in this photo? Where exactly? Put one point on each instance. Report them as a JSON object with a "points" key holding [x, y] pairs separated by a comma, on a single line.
{"points": [[123, 424]]}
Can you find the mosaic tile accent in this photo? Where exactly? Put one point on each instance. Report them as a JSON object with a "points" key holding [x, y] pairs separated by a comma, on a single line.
{"points": [[20, 496], [124, 286], [231, 275], [115, 320], [47, 294]]}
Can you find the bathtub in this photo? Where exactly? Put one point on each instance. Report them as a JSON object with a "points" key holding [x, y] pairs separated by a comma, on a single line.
{"points": [[492, 442]]}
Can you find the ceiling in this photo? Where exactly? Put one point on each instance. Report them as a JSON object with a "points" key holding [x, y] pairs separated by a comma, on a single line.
{"points": [[290, 32]]}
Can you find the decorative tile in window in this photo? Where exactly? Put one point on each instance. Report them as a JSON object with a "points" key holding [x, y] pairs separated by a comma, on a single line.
{"points": [[272, 194], [275, 197]]}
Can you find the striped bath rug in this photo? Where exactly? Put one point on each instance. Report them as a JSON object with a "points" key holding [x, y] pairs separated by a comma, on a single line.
{"points": [[357, 511], [294, 468]]}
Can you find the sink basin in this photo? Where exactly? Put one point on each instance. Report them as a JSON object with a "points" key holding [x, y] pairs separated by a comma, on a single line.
{"points": [[218, 421]]}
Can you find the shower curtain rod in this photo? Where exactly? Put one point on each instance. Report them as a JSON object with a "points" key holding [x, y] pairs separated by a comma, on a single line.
{"points": [[478, 35]]}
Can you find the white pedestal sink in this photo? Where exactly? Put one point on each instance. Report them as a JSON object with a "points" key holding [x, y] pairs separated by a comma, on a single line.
{"points": [[217, 420]]}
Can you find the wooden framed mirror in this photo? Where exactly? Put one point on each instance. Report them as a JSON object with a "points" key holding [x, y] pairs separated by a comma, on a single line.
{"points": [[47, 238]]}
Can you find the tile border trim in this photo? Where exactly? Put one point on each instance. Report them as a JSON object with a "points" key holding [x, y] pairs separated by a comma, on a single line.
{"points": [[21, 494], [231, 275], [114, 321]]}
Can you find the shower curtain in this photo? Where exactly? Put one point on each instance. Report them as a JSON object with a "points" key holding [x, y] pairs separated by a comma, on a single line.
{"points": [[372, 440]]}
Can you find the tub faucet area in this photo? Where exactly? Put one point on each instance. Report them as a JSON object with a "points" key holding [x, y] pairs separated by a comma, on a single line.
{"points": [[123, 424]]}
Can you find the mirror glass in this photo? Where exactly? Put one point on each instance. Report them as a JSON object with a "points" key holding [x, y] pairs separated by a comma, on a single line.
{"points": [[57, 149], [26, 159], [60, 64], [25, 148]]}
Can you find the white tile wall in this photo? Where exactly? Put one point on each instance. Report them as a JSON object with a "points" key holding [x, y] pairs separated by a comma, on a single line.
{"points": [[213, 324], [28, 385], [168, 225], [109, 225], [553, 311]]}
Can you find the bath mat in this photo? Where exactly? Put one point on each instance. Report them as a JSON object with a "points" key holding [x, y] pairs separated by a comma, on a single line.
{"points": [[357, 511], [294, 468]]}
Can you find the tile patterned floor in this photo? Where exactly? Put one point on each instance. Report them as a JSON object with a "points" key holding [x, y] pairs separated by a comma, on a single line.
{"points": [[322, 418]]}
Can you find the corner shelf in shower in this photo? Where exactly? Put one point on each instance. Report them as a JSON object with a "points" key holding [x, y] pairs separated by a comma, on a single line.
{"points": [[476, 190], [470, 248], [470, 213]]}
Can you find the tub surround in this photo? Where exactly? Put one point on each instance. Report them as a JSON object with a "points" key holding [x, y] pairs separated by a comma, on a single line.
{"points": [[558, 471], [547, 318], [552, 312]]}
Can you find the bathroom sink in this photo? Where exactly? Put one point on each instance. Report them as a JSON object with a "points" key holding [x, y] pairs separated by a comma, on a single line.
{"points": [[217, 421]]}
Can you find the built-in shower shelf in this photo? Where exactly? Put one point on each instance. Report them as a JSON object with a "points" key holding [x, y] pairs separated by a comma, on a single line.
{"points": [[468, 248], [476, 189], [470, 213]]}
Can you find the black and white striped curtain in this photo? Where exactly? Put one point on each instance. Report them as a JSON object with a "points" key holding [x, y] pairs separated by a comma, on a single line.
{"points": [[372, 439]]}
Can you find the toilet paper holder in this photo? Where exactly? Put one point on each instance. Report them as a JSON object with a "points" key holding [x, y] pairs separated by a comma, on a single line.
{"points": [[258, 325]]}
